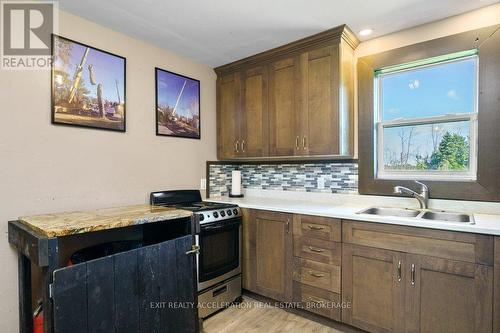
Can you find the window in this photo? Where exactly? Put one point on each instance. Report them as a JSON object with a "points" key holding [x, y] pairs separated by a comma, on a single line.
{"points": [[426, 119]]}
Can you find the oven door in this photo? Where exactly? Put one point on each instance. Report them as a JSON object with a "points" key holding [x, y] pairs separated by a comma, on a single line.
{"points": [[220, 252]]}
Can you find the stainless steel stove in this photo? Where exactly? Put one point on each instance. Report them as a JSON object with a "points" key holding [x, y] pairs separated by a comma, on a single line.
{"points": [[219, 239]]}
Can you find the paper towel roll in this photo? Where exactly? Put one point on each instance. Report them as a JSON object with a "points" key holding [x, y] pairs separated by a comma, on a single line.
{"points": [[236, 182]]}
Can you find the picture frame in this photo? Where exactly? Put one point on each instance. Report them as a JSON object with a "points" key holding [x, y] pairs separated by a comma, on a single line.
{"points": [[88, 86], [177, 105]]}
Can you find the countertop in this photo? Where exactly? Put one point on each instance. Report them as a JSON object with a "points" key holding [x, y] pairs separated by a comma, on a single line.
{"points": [[345, 207], [77, 222]]}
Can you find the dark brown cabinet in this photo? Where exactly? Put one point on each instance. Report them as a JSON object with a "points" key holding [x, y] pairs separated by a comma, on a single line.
{"points": [[268, 246], [228, 115], [295, 101], [406, 279], [447, 296], [254, 126], [373, 288], [284, 106]]}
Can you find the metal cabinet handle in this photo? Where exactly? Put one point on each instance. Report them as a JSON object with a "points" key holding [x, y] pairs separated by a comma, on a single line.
{"points": [[287, 226], [313, 227], [297, 142], [399, 270], [195, 249], [316, 274], [304, 142], [237, 146], [312, 300], [314, 249], [412, 274], [243, 146]]}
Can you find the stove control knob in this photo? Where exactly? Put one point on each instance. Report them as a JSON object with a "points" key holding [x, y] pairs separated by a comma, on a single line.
{"points": [[222, 213], [235, 211], [202, 217], [216, 215], [229, 212]]}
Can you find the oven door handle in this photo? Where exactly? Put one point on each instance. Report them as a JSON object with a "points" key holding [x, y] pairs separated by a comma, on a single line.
{"points": [[220, 226]]}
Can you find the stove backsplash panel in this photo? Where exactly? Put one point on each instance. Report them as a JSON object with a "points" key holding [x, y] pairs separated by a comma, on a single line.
{"points": [[308, 177]]}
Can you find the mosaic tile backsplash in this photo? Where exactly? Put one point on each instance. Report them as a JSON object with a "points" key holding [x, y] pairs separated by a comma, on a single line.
{"points": [[336, 177]]}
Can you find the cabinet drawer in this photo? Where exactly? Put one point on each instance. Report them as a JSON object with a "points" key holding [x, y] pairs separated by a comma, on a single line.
{"points": [[317, 274], [319, 301], [317, 227], [319, 250], [444, 244]]}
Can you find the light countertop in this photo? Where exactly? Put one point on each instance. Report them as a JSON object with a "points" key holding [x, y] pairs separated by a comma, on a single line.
{"points": [[347, 206], [70, 223]]}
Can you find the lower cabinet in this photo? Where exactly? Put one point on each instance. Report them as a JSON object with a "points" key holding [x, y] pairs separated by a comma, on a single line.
{"points": [[149, 289], [447, 296], [390, 291], [373, 288], [267, 254]]}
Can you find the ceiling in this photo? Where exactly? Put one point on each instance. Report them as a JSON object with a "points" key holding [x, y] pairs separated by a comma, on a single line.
{"points": [[215, 32]]}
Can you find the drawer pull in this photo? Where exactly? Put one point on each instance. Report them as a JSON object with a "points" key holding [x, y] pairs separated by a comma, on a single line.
{"points": [[412, 274], [314, 249], [399, 271], [315, 227], [316, 274], [312, 300]]}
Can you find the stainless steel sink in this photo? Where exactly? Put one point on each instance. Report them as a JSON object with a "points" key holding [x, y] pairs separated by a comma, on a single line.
{"points": [[387, 211], [434, 215], [447, 216]]}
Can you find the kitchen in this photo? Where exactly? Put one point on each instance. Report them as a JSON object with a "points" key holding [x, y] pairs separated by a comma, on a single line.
{"points": [[258, 160]]}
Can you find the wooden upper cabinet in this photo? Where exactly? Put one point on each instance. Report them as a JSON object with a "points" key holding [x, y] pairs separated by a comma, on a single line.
{"points": [[284, 99], [254, 113], [297, 99], [320, 115], [228, 116]]}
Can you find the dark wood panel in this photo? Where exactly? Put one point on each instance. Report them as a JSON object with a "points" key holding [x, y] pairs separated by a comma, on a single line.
{"points": [[70, 299], [126, 293], [186, 317], [100, 295], [148, 267], [319, 250]]}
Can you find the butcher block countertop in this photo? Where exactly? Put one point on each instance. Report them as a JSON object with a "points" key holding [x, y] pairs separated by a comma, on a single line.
{"points": [[70, 223]]}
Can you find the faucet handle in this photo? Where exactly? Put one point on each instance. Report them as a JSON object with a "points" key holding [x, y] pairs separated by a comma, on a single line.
{"points": [[425, 188]]}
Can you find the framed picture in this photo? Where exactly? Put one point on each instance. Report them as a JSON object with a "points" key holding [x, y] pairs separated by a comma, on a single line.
{"points": [[177, 105], [88, 86]]}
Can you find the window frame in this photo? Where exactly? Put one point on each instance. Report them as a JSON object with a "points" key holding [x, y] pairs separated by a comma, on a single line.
{"points": [[379, 125], [487, 185]]}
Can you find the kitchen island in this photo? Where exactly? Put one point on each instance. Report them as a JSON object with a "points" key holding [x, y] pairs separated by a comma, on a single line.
{"points": [[140, 256]]}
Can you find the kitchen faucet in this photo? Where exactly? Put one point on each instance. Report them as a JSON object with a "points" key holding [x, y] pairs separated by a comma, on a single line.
{"points": [[422, 197]]}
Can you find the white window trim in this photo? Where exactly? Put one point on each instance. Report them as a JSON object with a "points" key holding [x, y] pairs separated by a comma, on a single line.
{"points": [[381, 173]]}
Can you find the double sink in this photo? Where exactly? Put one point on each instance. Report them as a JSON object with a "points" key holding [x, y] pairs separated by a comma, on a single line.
{"points": [[434, 215]]}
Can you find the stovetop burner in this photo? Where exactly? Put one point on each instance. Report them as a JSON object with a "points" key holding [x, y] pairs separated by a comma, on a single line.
{"points": [[191, 200]]}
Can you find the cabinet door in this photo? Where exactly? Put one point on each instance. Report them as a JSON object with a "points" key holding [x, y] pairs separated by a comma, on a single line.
{"points": [[228, 116], [254, 115], [128, 292], [270, 248], [373, 289], [448, 296], [284, 103], [320, 105]]}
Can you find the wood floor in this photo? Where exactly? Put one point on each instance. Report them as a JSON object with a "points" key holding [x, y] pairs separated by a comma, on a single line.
{"points": [[255, 317]]}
